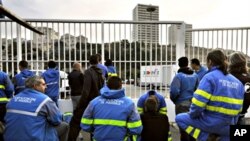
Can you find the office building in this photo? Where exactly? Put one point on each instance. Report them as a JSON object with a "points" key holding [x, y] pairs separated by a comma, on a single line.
{"points": [[147, 33], [172, 35]]}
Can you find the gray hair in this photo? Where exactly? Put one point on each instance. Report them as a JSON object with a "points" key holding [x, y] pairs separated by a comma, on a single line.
{"points": [[31, 81]]}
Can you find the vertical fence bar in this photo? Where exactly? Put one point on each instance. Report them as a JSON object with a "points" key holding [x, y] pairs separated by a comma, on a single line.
{"points": [[96, 51], [12, 49], [180, 43], [102, 38], [86, 46], [7, 49], [80, 43], [227, 40]]}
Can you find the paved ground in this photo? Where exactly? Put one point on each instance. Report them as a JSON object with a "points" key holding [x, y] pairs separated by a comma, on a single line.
{"points": [[173, 128]]}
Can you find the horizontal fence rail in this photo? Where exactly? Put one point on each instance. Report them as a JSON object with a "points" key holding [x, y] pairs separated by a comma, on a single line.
{"points": [[144, 53], [228, 39], [129, 44]]}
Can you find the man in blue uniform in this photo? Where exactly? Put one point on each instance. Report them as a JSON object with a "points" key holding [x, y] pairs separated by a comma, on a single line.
{"points": [[111, 68], [181, 90], [198, 68], [101, 66], [32, 115], [112, 116], [216, 103], [162, 107], [6, 92], [52, 77], [19, 79]]}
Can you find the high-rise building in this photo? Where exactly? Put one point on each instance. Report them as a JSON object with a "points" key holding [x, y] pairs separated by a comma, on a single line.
{"points": [[172, 35], [147, 33]]}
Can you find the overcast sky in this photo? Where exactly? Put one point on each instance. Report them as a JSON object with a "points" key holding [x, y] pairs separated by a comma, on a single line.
{"points": [[200, 13]]}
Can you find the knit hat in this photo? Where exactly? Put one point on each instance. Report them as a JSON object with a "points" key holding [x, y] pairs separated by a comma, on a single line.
{"points": [[237, 59]]}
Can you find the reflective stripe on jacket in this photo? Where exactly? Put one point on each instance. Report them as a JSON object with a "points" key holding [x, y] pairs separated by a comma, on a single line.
{"points": [[218, 94], [162, 104], [6, 88], [31, 115], [111, 116]]}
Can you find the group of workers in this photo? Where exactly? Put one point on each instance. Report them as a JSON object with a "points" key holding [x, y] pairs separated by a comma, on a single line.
{"points": [[207, 102]]}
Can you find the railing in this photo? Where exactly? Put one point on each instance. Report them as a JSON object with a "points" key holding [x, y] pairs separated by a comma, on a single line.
{"points": [[129, 44], [228, 39], [136, 48]]}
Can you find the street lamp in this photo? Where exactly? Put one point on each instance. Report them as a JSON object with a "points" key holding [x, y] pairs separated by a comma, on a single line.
{"points": [[151, 9]]}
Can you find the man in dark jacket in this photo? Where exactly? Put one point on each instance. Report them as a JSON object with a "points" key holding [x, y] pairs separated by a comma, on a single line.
{"points": [[51, 77], [238, 68], [93, 82], [76, 83]]}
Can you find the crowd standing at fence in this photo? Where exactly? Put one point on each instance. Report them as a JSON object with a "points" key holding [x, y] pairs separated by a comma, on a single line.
{"points": [[216, 103], [205, 106]]}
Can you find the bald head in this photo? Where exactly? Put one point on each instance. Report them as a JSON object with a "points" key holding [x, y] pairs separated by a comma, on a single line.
{"points": [[77, 66]]}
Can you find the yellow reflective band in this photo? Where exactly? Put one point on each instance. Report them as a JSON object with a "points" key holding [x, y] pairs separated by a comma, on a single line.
{"points": [[203, 93], [4, 99], [164, 113], [189, 129], [2, 87], [134, 124], [196, 133], [134, 137], [126, 138], [227, 100], [86, 121], [223, 110], [140, 110], [198, 103], [112, 74], [109, 122], [169, 136], [68, 114], [219, 98]]}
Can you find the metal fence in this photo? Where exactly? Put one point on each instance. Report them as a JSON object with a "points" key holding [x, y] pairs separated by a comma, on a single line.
{"points": [[228, 39], [129, 44]]}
